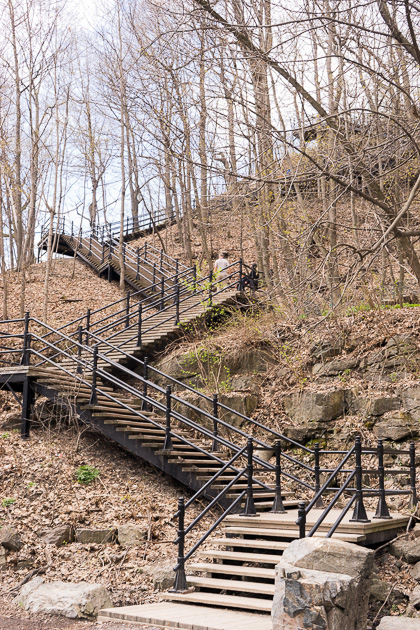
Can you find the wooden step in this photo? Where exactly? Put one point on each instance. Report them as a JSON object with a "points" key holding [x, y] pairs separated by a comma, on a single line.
{"points": [[239, 556], [229, 569], [290, 534], [252, 543], [225, 601], [231, 585]]}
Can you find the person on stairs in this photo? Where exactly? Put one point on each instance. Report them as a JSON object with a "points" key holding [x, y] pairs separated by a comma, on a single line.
{"points": [[220, 267]]}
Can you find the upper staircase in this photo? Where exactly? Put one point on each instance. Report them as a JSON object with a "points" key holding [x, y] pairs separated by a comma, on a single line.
{"points": [[97, 365]]}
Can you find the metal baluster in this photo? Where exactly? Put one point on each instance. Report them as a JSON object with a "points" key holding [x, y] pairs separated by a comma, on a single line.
{"points": [[168, 446], [145, 405], [138, 263], [93, 397], [24, 359], [145, 252], [278, 507], [71, 230], [210, 287], [413, 500], [359, 514], [176, 270], [382, 509], [154, 278], [195, 278], [319, 503], [240, 274], [127, 310], [139, 340], [162, 293], [161, 259], [180, 583], [215, 445], [90, 244], [123, 253], [249, 509], [301, 520], [103, 253], [177, 304], [79, 349], [87, 327]]}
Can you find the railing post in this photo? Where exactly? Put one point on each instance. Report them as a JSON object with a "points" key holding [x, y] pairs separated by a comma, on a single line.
{"points": [[168, 446], [161, 259], [25, 356], [301, 520], [123, 253], [87, 327], [145, 406], [138, 264], [210, 287], [413, 500], [215, 445], [319, 503], [382, 509], [145, 252], [27, 400], [176, 270], [103, 253], [195, 278], [93, 397], [180, 583], [278, 507], [126, 226], [177, 304], [139, 340], [359, 514], [249, 509], [154, 278], [240, 274], [127, 310], [79, 349], [90, 244], [162, 293], [72, 233]]}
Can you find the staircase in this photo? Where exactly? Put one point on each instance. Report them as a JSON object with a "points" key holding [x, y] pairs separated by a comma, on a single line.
{"points": [[97, 365]]}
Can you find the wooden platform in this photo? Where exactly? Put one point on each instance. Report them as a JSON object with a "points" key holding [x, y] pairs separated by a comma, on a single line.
{"points": [[186, 617]]}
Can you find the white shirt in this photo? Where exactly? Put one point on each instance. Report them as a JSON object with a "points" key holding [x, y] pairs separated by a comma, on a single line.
{"points": [[221, 264]]}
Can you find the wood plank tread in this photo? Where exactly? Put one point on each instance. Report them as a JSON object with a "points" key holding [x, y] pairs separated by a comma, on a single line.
{"points": [[216, 599], [231, 585]]}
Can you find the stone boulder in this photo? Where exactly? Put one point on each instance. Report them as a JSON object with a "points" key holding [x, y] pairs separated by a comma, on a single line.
{"points": [[98, 536], [398, 623], [411, 401], [76, 601], [243, 403], [407, 550], [396, 426], [325, 350], [382, 405], [10, 538], [305, 407], [306, 596], [58, 536], [3, 559], [163, 576], [380, 590], [415, 598], [415, 572], [337, 366], [130, 535], [11, 420]]}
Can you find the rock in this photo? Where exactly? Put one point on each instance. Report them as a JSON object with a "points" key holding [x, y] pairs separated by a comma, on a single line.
{"points": [[3, 559], [411, 401], [163, 576], [129, 535], [99, 536], [244, 404], [11, 420], [322, 351], [10, 538], [304, 432], [407, 550], [415, 572], [398, 623], [315, 406], [338, 366], [58, 536], [306, 597], [415, 598], [380, 406], [68, 599], [327, 554], [380, 590], [396, 426]]}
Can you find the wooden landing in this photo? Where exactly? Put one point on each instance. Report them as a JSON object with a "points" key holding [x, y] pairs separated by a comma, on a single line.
{"points": [[186, 617]]}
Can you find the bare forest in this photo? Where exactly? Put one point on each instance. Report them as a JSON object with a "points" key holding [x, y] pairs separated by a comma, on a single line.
{"points": [[294, 126]]}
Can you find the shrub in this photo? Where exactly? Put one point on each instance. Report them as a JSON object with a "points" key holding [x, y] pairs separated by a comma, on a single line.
{"points": [[86, 474]]}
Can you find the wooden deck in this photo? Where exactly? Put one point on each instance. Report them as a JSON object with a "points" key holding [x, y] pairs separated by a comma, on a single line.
{"points": [[169, 615]]}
